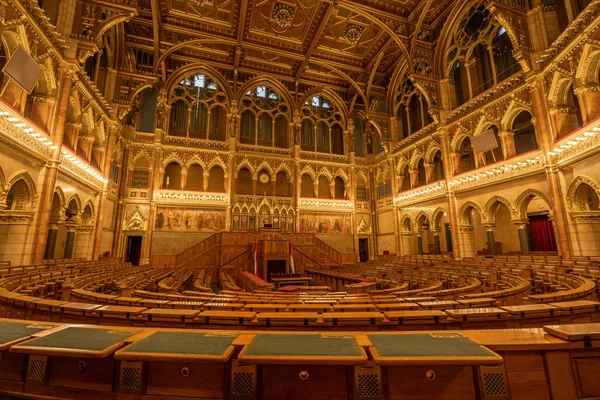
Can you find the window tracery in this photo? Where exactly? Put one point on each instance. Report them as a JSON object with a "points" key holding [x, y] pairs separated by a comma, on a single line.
{"points": [[322, 126], [411, 106], [198, 108], [265, 118], [480, 54]]}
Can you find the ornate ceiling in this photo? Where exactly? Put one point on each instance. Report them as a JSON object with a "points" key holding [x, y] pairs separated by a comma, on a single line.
{"points": [[350, 45]]}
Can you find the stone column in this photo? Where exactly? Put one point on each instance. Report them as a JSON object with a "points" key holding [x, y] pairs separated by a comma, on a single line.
{"points": [[84, 145], [183, 179], [490, 239], [71, 135], [453, 218], [51, 242], [523, 237], [507, 139], [41, 111], [254, 184], [69, 243], [429, 173], [467, 241], [589, 101], [436, 242], [125, 178], [547, 144], [407, 243], [47, 192], [112, 139], [419, 243], [147, 246], [414, 178]]}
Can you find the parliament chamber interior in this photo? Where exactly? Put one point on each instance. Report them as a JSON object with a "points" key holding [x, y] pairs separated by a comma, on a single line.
{"points": [[300, 199]]}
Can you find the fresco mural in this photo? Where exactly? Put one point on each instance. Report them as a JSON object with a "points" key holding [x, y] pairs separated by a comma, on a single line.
{"points": [[320, 223], [189, 219]]}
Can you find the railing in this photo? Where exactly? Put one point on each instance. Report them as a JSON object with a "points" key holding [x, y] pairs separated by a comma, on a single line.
{"points": [[198, 248], [303, 263], [328, 250], [238, 261]]}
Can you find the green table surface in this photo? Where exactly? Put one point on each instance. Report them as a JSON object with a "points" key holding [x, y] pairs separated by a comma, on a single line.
{"points": [[14, 331], [75, 338], [436, 347], [303, 345], [182, 343]]}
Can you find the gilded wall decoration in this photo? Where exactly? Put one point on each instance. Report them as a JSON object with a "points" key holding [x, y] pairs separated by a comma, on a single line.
{"points": [[319, 223], [189, 219]]}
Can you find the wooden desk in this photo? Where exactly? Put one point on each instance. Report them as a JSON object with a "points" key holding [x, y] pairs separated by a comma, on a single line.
{"points": [[189, 364], [355, 307], [75, 358], [353, 318], [429, 349], [479, 302], [577, 305], [169, 314], [469, 314], [226, 317], [288, 318], [400, 306], [303, 366], [265, 307], [430, 366], [531, 310], [298, 281], [575, 332], [416, 316], [438, 305], [120, 312]]}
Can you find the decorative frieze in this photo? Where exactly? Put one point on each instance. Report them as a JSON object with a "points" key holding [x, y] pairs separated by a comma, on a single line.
{"points": [[325, 205], [197, 198]]}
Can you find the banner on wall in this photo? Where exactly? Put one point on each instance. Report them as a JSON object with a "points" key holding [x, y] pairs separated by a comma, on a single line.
{"points": [[189, 219]]}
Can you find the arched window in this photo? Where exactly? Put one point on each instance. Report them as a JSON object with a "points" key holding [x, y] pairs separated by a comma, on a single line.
{"points": [[406, 184], [140, 176], [307, 186], [197, 108], [282, 184], [195, 178], [216, 180], [248, 127], [172, 177], [575, 116], [421, 175], [478, 40], [496, 154], [324, 190], [411, 107], [244, 181], [467, 157], [506, 63], [265, 117], [524, 133], [438, 166], [339, 188], [359, 144], [87, 216], [18, 197], [321, 116]]}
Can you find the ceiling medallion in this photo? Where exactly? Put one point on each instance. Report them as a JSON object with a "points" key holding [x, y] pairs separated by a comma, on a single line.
{"points": [[199, 3], [352, 33], [283, 14]]}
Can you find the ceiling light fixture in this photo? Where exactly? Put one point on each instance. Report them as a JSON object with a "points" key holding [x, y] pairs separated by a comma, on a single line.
{"points": [[283, 14]]}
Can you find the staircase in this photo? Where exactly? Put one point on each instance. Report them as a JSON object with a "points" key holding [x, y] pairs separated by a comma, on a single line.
{"points": [[231, 250]]}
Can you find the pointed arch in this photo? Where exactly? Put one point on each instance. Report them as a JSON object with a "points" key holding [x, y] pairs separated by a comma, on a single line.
{"points": [[436, 218], [195, 160], [341, 105], [490, 211], [422, 214], [181, 73], [587, 69], [271, 82], [514, 109], [463, 219], [524, 198], [406, 221], [558, 89], [578, 181], [75, 198], [173, 158], [28, 180], [244, 164], [264, 166], [283, 167]]}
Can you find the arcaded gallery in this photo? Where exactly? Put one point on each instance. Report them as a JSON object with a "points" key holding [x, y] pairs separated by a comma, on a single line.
{"points": [[300, 199]]}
